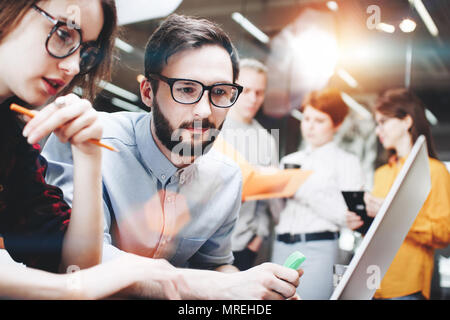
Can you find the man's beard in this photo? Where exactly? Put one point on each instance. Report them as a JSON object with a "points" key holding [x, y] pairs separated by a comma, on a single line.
{"points": [[172, 138]]}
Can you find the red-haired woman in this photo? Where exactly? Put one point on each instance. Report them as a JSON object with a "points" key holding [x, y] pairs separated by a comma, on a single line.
{"points": [[311, 220]]}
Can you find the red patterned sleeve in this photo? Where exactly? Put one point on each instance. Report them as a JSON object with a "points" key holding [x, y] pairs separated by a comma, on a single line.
{"points": [[39, 216]]}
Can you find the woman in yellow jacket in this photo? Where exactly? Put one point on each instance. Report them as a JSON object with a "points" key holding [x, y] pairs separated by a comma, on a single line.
{"points": [[400, 118]]}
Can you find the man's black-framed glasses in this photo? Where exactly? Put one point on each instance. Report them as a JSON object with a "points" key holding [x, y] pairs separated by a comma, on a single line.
{"points": [[63, 40], [187, 91]]}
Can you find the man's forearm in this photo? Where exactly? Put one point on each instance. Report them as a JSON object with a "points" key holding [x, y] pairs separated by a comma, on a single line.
{"points": [[190, 284]]}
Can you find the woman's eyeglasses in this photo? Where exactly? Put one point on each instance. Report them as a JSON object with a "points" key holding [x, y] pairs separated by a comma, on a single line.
{"points": [[63, 40]]}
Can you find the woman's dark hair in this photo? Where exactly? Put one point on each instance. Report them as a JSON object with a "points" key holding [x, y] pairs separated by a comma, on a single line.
{"points": [[401, 102], [13, 11], [178, 33]]}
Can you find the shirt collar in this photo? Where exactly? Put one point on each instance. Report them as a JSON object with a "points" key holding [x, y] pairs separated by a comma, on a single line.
{"points": [[327, 146]]}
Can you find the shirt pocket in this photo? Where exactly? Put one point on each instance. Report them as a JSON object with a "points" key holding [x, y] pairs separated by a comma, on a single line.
{"points": [[187, 247]]}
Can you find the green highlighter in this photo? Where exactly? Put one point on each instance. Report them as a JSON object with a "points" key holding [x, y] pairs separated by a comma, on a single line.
{"points": [[294, 260]]}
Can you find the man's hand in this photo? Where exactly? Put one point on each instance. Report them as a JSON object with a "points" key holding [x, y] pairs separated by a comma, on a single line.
{"points": [[156, 278], [267, 281]]}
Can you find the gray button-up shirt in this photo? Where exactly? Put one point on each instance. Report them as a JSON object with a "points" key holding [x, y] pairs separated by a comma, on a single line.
{"points": [[259, 148], [151, 207]]}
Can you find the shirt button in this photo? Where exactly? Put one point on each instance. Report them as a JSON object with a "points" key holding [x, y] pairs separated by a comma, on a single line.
{"points": [[163, 176]]}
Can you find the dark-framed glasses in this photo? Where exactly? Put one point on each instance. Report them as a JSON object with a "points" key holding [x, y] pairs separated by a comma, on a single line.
{"points": [[187, 91], [64, 39]]}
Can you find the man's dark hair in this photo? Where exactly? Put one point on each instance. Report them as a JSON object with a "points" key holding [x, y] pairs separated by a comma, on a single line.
{"points": [[178, 33]]}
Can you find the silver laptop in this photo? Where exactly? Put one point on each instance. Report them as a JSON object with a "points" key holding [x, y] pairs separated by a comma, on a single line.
{"points": [[389, 228]]}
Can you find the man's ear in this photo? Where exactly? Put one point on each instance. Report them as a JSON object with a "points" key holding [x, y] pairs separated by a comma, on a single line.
{"points": [[146, 93]]}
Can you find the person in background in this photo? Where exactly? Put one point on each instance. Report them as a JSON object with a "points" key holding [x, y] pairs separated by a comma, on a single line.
{"points": [[312, 218], [400, 117], [259, 148], [167, 194]]}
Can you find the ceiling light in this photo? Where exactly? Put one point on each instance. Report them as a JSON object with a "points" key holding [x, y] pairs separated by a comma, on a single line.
{"points": [[431, 117], [250, 27], [122, 45], [407, 25], [429, 23], [297, 114], [332, 5], [125, 105], [347, 78], [316, 53], [358, 108], [119, 91]]}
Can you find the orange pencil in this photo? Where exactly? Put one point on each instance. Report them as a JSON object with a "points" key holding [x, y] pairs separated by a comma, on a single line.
{"points": [[22, 110]]}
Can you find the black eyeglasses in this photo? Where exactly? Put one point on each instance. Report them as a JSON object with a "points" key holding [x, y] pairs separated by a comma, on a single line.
{"points": [[187, 91], [63, 40]]}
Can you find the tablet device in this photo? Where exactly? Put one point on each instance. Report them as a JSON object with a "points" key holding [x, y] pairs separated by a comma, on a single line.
{"points": [[355, 202], [389, 228]]}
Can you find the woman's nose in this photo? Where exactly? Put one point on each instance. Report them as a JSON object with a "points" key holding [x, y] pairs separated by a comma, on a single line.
{"points": [[71, 64]]}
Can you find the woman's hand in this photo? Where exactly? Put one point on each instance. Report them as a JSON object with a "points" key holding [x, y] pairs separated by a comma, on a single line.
{"points": [[353, 220], [255, 244], [373, 204], [72, 120]]}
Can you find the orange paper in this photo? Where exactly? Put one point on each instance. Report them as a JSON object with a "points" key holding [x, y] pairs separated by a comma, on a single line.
{"points": [[263, 184], [280, 184]]}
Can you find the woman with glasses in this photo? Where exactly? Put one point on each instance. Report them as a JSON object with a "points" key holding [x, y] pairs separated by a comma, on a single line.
{"points": [[46, 49], [400, 118]]}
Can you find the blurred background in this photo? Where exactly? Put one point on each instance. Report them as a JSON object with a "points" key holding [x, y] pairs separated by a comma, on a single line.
{"points": [[362, 47], [359, 46]]}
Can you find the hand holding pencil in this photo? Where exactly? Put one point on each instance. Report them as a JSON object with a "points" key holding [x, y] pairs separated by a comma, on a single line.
{"points": [[69, 117]]}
